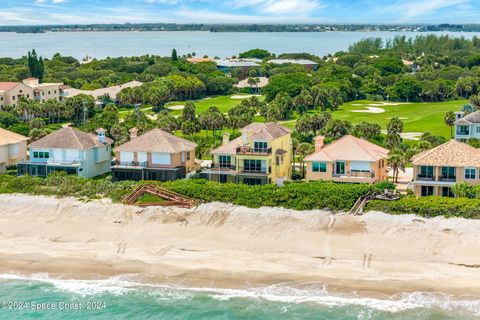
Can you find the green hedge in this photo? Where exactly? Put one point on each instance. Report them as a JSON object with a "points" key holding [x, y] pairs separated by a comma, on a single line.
{"points": [[63, 185], [430, 207], [300, 196]]}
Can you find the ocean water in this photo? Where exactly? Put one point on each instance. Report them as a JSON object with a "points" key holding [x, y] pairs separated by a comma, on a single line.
{"points": [[123, 298], [222, 44]]}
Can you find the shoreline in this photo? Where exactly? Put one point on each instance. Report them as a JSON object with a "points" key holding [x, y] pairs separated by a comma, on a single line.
{"points": [[225, 246]]}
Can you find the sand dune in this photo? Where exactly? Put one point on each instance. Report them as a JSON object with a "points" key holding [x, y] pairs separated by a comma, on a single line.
{"points": [[229, 246]]}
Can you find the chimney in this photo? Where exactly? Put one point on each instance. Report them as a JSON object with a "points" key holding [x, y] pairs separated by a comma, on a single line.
{"points": [[319, 143], [226, 138], [101, 135], [133, 133]]}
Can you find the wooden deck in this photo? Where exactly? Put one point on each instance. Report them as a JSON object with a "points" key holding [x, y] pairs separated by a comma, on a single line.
{"points": [[171, 198]]}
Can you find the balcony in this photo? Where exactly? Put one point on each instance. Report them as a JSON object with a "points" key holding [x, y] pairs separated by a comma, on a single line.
{"points": [[356, 174], [131, 164], [255, 170], [447, 178], [223, 167], [425, 177], [248, 150]]}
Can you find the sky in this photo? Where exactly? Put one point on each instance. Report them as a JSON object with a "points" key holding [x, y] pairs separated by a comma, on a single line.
{"points": [[35, 12]]}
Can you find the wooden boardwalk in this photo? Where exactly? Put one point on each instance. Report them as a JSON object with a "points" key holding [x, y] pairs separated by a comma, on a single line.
{"points": [[171, 198]]}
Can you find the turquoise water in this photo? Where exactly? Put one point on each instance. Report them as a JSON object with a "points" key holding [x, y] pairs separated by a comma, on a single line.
{"points": [[119, 298], [222, 44]]}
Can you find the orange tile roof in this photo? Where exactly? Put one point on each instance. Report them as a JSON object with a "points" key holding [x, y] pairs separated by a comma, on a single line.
{"points": [[9, 137], [349, 148], [451, 154], [8, 85], [157, 140]]}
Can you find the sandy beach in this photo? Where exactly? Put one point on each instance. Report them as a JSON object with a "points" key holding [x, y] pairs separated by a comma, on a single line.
{"points": [[225, 246]]}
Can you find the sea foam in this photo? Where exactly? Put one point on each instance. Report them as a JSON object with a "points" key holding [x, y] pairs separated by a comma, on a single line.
{"points": [[288, 293]]}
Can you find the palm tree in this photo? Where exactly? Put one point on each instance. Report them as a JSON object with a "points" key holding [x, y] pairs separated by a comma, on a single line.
{"points": [[449, 120], [397, 161], [303, 150]]}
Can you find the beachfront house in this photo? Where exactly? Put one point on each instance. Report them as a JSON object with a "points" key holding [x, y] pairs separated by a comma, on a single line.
{"points": [[261, 155], [155, 155], [436, 170], [13, 148], [30, 88], [70, 150], [467, 126], [348, 159]]}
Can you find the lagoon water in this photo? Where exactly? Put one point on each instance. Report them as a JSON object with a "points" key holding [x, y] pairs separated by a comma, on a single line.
{"points": [[222, 44], [120, 298]]}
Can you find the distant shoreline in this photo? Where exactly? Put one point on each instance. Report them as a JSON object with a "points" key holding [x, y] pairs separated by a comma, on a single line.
{"points": [[214, 28]]}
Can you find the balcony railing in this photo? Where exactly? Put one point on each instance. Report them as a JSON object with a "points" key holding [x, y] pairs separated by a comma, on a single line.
{"points": [[255, 170], [355, 174], [447, 178], [254, 151], [223, 166], [425, 177], [462, 133], [132, 164]]}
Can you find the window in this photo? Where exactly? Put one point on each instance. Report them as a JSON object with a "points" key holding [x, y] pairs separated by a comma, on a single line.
{"points": [[13, 97], [188, 156], [470, 173], [448, 173], [340, 167], [13, 149], [55, 91], [253, 165], [260, 146], [447, 192], [28, 96], [478, 129], [319, 166], [426, 191], [252, 181], [224, 161], [426, 172], [41, 155]]}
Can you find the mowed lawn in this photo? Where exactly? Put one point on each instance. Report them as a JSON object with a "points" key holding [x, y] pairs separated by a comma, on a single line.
{"points": [[223, 103], [417, 117]]}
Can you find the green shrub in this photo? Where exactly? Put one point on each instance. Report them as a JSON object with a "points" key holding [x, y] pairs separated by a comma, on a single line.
{"points": [[300, 196], [430, 207]]}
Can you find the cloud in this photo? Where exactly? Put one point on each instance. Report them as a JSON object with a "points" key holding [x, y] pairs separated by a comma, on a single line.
{"points": [[419, 8], [281, 7]]}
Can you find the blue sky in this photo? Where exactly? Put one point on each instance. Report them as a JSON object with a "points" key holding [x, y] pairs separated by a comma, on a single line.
{"points": [[27, 12]]}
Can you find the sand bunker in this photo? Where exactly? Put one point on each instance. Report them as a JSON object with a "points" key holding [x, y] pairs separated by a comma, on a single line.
{"points": [[238, 97], [370, 110], [176, 107]]}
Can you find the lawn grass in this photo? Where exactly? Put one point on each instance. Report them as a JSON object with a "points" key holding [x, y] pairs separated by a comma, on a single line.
{"points": [[223, 103], [150, 198], [417, 117]]}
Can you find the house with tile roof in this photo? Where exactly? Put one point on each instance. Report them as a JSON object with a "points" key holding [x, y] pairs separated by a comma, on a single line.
{"points": [[13, 148], [261, 155], [467, 126], [155, 155], [69, 150], [348, 159], [30, 88], [436, 170]]}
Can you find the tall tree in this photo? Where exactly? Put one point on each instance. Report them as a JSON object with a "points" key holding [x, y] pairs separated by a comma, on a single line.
{"points": [[449, 120], [174, 55]]}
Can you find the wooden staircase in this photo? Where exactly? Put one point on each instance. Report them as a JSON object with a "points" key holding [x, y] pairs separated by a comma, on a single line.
{"points": [[357, 208], [171, 198]]}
